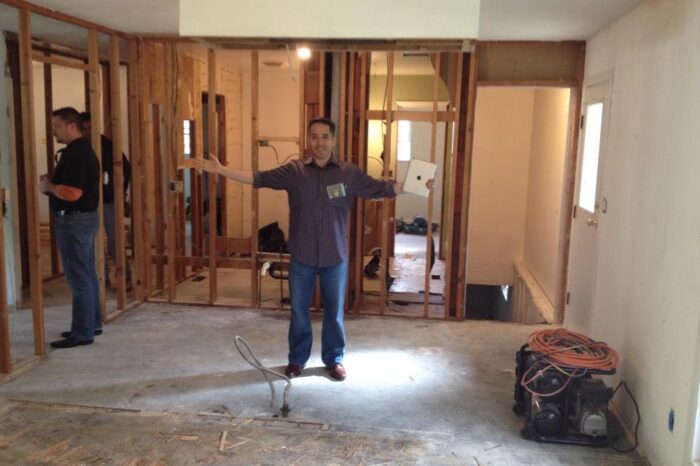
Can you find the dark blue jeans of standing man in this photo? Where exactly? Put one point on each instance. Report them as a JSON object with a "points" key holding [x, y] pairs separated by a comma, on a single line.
{"points": [[75, 235], [302, 280]]}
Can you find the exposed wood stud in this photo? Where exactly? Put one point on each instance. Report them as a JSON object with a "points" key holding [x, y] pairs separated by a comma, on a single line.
{"points": [[433, 141], [5, 355], [467, 145], [136, 172], [170, 164], [213, 149], [386, 220], [452, 209], [48, 109], [255, 124], [362, 164], [95, 136], [30, 177], [118, 170]]}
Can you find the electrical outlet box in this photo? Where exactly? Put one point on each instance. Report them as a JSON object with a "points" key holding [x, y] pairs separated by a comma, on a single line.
{"points": [[177, 186]]}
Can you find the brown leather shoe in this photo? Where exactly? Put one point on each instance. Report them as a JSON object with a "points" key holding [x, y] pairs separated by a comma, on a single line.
{"points": [[337, 372], [293, 370]]}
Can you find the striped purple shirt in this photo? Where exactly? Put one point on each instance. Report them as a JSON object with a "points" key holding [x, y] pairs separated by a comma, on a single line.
{"points": [[319, 202]]}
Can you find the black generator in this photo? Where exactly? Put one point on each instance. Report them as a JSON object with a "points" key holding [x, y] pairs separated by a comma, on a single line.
{"points": [[560, 406]]}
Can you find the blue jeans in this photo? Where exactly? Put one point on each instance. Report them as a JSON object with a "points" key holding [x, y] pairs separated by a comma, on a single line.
{"points": [[75, 236], [302, 280]]}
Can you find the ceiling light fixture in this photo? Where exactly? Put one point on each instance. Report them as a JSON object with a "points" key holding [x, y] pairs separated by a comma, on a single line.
{"points": [[304, 53]]}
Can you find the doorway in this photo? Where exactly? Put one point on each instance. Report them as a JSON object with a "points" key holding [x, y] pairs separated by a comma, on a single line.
{"points": [[515, 251]]}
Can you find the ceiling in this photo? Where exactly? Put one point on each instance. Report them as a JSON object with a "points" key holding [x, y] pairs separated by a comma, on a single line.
{"points": [[499, 19]]}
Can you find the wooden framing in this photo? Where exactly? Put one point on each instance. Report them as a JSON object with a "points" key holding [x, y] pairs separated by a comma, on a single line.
{"points": [[146, 176], [5, 354], [450, 262], [171, 164], [95, 136], [137, 217], [384, 270], [575, 102], [118, 170], [30, 180], [362, 164], [213, 149], [255, 199], [342, 116], [433, 140], [51, 60], [466, 141], [50, 163]]}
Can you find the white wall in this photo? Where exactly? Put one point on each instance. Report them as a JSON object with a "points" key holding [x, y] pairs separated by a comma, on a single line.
{"points": [[544, 193], [500, 171], [646, 303]]}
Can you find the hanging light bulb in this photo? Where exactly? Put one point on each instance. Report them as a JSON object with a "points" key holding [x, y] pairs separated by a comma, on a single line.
{"points": [[304, 53]]}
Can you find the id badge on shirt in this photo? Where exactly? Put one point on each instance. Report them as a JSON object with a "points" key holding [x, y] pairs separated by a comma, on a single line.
{"points": [[336, 190]]}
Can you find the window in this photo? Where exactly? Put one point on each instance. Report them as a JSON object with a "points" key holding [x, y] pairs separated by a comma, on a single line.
{"points": [[187, 138], [591, 153], [403, 146]]}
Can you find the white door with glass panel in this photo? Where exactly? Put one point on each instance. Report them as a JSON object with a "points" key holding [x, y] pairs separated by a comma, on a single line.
{"points": [[588, 205]]}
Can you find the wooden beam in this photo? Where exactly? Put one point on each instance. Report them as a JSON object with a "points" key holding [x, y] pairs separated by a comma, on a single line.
{"points": [[255, 129], [213, 149], [30, 179], [322, 84], [51, 60], [384, 270], [170, 89], [302, 107], [433, 141], [467, 146], [360, 203], [5, 354], [145, 162], [136, 172], [118, 169], [453, 190], [446, 116], [342, 123], [50, 163], [95, 136], [575, 102]]}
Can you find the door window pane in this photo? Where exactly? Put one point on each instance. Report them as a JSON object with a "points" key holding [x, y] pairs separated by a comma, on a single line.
{"points": [[591, 152]]}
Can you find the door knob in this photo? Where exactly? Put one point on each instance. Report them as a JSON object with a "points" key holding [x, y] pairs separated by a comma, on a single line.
{"points": [[591, 222]]}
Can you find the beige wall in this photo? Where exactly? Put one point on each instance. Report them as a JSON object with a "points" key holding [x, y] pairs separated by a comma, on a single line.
{"points": [[500, 171], [544, 194], [645, 304]]}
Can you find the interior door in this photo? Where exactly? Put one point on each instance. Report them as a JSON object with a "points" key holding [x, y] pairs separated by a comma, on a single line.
{"points": [[588, 206]]}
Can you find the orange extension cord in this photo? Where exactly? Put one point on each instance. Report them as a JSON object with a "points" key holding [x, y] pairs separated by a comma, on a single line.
{"points": [[571, 350]]}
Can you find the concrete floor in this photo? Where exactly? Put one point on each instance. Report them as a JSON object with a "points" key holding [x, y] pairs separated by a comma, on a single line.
{"points": [[417, 392]]}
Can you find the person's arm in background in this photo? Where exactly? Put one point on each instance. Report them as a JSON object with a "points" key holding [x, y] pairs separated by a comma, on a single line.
{"points": [[212, 165]]}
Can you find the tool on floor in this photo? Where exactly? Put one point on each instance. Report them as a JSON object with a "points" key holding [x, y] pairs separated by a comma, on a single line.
{"points": [[555, 390], [248, 355]]}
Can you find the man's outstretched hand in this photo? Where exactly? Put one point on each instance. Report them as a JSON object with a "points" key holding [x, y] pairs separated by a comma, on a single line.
{"points": [[398, 186], [210, 165]]}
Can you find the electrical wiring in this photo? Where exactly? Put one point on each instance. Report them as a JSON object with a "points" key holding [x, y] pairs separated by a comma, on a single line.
{"points": [[568, 349], [570, 353], [639, 419], [248, 355]]}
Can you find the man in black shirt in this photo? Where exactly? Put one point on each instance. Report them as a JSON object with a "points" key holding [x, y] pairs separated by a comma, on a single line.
{"points": [[73, 198], [108, 195]]}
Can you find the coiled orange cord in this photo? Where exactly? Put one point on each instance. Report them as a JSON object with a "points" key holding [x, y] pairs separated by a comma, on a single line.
{"points": [[566, 349]]}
